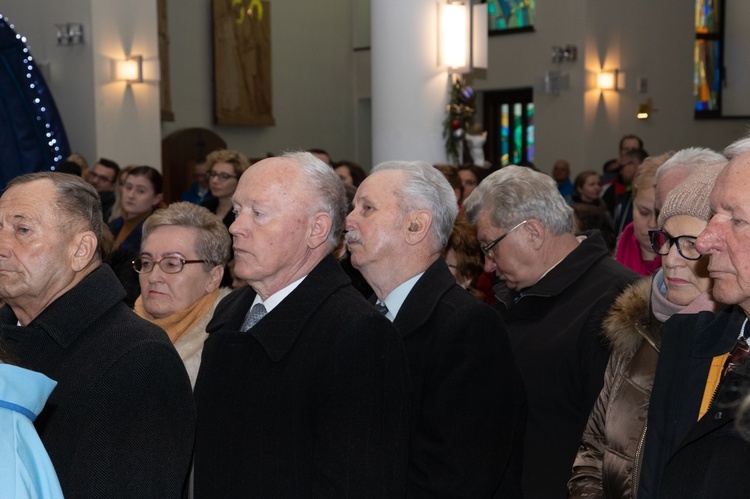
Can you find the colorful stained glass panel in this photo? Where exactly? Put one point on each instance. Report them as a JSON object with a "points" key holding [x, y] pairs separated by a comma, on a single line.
{"points": [[707, 75], [504, 133], [707, 16], [530, 132], [510, 14]]}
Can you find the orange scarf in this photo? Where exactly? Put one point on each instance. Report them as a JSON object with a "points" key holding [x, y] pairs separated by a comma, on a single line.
{"points": [[179, 322]]}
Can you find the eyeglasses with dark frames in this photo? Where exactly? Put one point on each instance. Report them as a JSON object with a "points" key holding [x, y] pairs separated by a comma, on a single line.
{"points": [[488, 247], [222, 176], [662, 241], [168, 264]]}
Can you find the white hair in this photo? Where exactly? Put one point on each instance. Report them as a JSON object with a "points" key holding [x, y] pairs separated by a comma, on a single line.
{"points": [[517, 193], [687, 160], [426, 188]]}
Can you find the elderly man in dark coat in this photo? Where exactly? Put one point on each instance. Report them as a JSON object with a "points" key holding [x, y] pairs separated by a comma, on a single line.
{"points": [[555, 291], [120, 422], [468, 399], [692, 447], [303, 389]]}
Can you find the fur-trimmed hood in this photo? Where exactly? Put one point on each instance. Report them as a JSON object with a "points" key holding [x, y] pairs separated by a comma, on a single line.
{"points": [[630, 311]]}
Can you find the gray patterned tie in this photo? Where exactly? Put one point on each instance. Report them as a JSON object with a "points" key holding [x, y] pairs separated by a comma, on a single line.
{"points": [[253, 316], [381, 308]]}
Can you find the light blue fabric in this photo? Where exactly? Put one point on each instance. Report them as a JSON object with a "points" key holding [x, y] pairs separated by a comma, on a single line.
{"points": [[26, 470]]}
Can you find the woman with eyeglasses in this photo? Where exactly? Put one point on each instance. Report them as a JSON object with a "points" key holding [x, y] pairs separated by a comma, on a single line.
{"points": [[608, 461], [224, 171], [184, 250]]}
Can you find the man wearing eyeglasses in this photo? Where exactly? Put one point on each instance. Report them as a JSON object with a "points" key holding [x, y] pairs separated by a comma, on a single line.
{"points": [[469, 407], [553, 293], [104, 179], [121, 420]]}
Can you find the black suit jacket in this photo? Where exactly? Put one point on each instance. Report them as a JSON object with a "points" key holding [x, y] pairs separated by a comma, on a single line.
{"points": [[311, 402], [469, 403]]}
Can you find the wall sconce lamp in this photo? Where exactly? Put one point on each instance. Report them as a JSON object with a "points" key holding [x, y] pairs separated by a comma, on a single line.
{"points": [[611, 80], [130, 70], [462, 36], [69, 33], [645, 110]]}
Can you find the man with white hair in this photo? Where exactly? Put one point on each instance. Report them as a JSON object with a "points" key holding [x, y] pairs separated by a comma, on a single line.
{"points": [[303, 389], [554, 293], [468, 404], [692, 446], [678, 168]]}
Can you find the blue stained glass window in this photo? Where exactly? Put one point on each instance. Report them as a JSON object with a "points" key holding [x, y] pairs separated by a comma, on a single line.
{"points": [[707, 57]]}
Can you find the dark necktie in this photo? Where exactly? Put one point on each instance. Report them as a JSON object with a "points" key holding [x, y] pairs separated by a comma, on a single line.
{"points": [[381, 308]]}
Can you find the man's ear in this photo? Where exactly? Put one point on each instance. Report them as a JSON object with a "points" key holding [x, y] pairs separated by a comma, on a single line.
{"points": [[536, 232], [418, 225], [320, 227], [84, 250]]}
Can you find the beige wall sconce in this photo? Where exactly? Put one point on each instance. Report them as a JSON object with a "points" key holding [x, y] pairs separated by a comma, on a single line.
{"points": [[129, 70], [462, 36], [611, 80]]}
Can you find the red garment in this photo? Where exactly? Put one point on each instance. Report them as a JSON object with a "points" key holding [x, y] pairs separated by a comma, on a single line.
{"points": [[629, 253], [484, 286]]}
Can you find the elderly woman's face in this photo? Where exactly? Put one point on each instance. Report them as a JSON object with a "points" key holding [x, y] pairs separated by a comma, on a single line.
{"points": [[164, 294], [685, 279]]}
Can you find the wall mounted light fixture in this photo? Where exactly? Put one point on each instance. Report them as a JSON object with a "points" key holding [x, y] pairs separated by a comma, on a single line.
{"points": [[610, 80], [645, 110], [129, 70], [462, 36], [69, 33]]}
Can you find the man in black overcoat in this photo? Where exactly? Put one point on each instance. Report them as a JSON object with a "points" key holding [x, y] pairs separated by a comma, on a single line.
{"points": [[303, 389], [120, 422], [468, 401]]}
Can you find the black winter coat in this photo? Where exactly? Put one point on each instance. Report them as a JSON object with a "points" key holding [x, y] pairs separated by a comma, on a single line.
{"points": [[120, 422]]}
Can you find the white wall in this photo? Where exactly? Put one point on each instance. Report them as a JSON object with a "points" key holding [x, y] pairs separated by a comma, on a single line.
{"points": [[312, 77], [127, 118]]}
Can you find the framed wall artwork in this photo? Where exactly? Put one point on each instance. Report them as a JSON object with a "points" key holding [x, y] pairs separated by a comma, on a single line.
{"points": [[242, 63]]}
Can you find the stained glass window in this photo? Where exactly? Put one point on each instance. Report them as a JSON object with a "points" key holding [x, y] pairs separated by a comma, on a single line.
{"points": [[505, 15], [707, 57], [509, 121]]}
